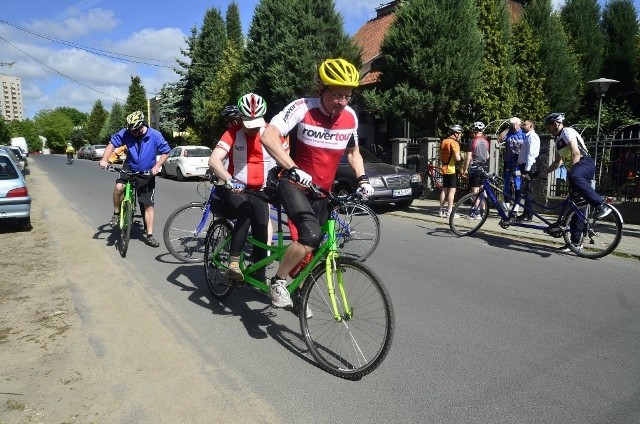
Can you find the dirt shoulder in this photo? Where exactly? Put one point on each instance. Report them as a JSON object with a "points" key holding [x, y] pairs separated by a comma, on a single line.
{"points": [[84, 346]]}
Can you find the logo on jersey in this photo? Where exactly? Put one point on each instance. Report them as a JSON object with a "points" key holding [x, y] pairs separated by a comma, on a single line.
{"points": [[321, 137]]}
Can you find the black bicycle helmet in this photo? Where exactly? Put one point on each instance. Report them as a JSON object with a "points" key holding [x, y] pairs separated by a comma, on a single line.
{"points": [[231, 113]]}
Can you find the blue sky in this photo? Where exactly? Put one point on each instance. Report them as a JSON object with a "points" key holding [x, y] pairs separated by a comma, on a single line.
{"points": [[147, 31], [64, 73]]}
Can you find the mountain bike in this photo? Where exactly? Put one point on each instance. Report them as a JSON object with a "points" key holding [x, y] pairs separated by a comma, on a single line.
{"points": [[184, 233], [351, 326], [597, 237], [127, 208]]}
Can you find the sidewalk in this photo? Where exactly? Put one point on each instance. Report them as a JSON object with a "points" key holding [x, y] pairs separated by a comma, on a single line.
{"points": [[427, 210]]}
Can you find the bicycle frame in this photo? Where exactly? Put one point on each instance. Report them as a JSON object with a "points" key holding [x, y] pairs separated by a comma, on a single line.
{"points": [[129, 197], [327, 251], [488, 188]]}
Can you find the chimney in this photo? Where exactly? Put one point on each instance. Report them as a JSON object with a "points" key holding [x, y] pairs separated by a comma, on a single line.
{"points": [[385, 9]]}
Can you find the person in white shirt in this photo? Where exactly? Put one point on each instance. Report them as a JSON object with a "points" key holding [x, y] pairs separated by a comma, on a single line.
{"points": [[527, 162]]}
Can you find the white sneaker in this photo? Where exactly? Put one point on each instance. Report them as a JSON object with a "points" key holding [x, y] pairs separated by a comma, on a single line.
{"points": [[601, 211], [447, 214], [280, 297], [442, 212]]}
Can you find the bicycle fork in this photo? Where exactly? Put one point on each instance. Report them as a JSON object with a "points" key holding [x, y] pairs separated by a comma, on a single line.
{"points": [[331, 269]]}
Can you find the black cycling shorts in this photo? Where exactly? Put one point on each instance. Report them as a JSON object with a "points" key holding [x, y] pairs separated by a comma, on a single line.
{"points": [[145, 186], [306, 213]]}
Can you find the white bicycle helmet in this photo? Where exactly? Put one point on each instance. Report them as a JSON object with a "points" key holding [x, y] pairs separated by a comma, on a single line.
{"points": [[478, 126], [456, 129], [554, 117]]}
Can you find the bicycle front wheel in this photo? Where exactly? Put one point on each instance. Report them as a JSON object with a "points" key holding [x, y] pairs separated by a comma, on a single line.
{"points": [[357, 230], [469, 214], [357, 343], [125, 228], [597, 236], [216, 252], [180, 236]]}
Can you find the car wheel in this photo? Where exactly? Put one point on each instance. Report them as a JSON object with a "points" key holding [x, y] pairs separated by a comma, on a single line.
{"points": [[163, 171], [24, 224], [342, 189], [404, 204], [179, 175]]}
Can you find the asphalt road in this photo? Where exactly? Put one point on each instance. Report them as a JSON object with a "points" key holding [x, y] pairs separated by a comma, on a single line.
{"points": [[487, 329]]}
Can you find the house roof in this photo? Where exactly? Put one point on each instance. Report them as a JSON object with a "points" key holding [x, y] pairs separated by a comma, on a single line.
{"points": [[369, 37]]}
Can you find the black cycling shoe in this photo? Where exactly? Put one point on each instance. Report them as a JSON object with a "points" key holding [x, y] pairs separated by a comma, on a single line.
{"points": [[150, 241]]}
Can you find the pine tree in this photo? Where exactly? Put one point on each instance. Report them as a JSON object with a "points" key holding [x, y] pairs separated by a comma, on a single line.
{"points": [[496, 95], [556, 58], [284, 49], [621, 28], [137, 98], [531, 100], [95, 121], [114, 123], [439, 67]]}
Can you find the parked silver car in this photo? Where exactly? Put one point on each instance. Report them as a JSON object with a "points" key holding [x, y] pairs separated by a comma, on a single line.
{"points": [[12, 155], [15, 201], [95, 151]]}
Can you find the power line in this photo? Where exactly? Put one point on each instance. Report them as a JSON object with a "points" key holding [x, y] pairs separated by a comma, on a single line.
{"points": [[60, 73], [92, 50]]}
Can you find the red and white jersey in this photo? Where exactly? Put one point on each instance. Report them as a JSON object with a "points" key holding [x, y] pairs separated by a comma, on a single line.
{"points": [[322, 139], [249, 161]]}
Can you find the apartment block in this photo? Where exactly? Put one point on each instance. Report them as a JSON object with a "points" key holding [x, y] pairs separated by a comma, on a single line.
{"points": [[11, 106]]}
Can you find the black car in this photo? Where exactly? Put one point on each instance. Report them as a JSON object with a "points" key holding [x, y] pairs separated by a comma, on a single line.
{"points": [[391, 183]]}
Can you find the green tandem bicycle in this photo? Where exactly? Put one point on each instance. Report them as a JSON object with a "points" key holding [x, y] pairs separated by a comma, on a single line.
{"points": [[348, 318]]}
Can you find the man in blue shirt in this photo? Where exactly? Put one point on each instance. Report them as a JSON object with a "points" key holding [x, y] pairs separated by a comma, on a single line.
{"points": [[143, 144], [513, 142]]}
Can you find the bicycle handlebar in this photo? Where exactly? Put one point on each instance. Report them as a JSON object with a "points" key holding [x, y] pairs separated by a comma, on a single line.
{"points": [[114, 169]]}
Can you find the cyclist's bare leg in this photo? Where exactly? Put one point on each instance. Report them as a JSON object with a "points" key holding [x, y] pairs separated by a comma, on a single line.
{"points": [[149, 215], [292, 257], [118, 194]]}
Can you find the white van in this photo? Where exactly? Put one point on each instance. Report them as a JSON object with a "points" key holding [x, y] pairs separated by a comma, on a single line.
{"points": [[21, 143]]}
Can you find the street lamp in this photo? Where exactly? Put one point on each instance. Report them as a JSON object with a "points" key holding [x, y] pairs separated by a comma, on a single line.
{"points": [[601, 86]]}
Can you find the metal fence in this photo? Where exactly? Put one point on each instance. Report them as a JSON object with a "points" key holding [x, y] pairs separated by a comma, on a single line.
{"points": [[617, 164]]}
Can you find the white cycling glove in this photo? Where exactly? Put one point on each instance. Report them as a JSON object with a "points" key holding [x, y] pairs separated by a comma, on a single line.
{"points": [[300, 176], [233, 184], [365, 188]]}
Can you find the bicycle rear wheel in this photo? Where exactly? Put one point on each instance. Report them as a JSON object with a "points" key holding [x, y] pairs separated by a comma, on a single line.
{"points": [[357, 230], [355, 345], [216, 241], [125, 228], [469, 214], [180, 236], [598, 236]]}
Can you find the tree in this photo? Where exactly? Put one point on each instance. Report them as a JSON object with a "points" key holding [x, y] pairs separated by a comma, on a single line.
{"points": [[56, 127], [438, 69], [137, 98], [557, 60], [5, 133], [581, 20], [496, 96], [621, 28], [28, 130], [206, 61], [284, 49], [78, 118], [114, 123], [531, 100], [95, 121]]}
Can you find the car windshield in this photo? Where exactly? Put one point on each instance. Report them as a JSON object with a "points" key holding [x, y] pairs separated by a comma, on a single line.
{"points": [[101, 146], [198, 153], [367, 156]]}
